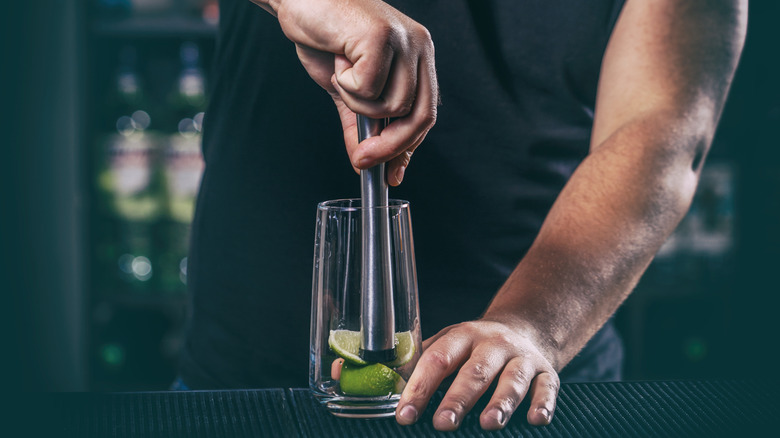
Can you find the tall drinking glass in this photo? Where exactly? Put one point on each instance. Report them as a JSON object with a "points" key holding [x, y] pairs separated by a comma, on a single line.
{"points": [[339, 378]]}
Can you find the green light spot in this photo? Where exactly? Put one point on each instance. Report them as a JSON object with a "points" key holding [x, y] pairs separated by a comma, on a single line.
{"points": [[695, 349], [113, 354]]}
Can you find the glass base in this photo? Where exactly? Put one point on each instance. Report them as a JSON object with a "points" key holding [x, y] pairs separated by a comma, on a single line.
{"points": [[359, 407]]}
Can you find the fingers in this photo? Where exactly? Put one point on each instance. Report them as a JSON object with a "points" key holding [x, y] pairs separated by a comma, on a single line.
{"points": [[480, 351], [406, 90], [397, 168], [387, 144], [510, 391], [380, 63], [403, 134], [472, 381], [363, 80], [437, 362], [318, 64], [335, 369], [544, 392], [378, 76], [392, 91]]}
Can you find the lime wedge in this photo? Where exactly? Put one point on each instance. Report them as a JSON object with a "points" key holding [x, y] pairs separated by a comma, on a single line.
{"points": [[346, 343], [373, 380]]}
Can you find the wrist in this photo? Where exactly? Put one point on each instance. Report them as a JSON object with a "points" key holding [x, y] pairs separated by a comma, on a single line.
{"points": [[540, 336]]}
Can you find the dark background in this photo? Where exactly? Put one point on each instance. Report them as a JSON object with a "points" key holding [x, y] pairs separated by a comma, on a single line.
{"points": [[698, 313]]}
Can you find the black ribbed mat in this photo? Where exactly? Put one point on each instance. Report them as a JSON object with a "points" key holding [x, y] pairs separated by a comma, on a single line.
{"points": [[626, 409], [196, 414]]}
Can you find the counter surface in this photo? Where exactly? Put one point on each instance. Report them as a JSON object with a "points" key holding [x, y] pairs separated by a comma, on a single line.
{"points": [[625, 409]]}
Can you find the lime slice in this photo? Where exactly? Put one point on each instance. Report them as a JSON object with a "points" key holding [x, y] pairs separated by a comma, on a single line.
{"points": [[404, 349], [346, 343], [373, 380]]}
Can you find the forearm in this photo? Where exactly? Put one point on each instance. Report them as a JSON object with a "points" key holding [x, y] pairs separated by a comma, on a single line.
{"points": [[664, 81], [604, 229]]}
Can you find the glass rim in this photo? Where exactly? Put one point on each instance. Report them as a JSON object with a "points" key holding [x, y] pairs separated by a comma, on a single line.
{"points": [[353, 204]]}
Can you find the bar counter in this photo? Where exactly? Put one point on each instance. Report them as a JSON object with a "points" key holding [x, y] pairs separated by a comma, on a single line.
{"points": [[625, 409]]}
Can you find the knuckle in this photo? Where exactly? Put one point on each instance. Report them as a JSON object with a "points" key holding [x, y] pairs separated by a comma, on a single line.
{"points": [[427, 35], [370, 92], [428, 118], [365, 87], [439, 360], [460, 331], [547, 383], [369, 88], [424, 44], [415, 389], [519, 377], [400, 107], [552, 386], [507, 404], [478, 372], [383, 33], [504, 339], [553, 380], [406, 158], [422, 34]]}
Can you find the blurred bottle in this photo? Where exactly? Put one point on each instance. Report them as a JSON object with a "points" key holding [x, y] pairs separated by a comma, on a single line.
{"points": [[128, 179], [127, 94], [210, 12], [188, 96], [182, 168]]}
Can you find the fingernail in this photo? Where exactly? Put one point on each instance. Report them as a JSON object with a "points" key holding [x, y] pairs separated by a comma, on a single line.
{"points": [[497, 415], [544, 413], [449, 416], [399, 174], [363, 163], [408, 413]]}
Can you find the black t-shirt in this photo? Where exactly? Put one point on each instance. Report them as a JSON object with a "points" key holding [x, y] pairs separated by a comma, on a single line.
{"points": [[518, 84]]}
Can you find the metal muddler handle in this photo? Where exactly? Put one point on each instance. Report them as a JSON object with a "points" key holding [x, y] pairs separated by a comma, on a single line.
{"points": [[377, 317]]}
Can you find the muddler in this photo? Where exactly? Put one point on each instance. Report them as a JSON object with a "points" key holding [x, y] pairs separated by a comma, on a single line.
{"points": [[377, 315]]}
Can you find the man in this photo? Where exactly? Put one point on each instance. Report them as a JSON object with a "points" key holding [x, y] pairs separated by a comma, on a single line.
{"points": [[567, 147]]}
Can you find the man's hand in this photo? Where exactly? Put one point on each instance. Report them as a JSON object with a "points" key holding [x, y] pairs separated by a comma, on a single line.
{"points": [[481, 351], [373, 60]]}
